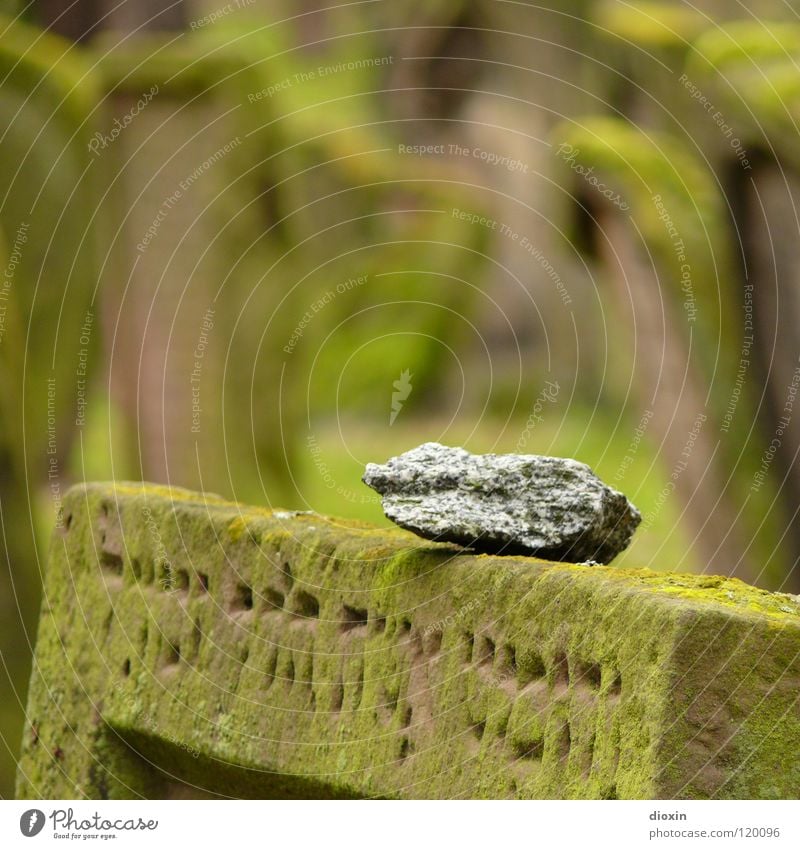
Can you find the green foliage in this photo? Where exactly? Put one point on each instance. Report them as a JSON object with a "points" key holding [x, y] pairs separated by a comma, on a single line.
{"points": [[644, 164], [750, 69], [651, 24]]}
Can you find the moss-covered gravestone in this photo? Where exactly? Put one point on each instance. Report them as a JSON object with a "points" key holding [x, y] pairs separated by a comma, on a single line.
{"points": [[190, 646]]}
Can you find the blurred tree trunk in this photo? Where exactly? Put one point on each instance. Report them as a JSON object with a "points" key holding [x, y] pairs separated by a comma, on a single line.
{"points": [[766, 205], [664, 381], [76, 21], [80, 21]]}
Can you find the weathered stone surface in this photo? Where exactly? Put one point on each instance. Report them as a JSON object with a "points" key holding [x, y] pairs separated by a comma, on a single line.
{"points": [[191, 646], [554, 508]]}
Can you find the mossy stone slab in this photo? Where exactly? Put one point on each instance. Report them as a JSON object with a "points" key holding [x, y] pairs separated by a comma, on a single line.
{"points": [[190, 646]]}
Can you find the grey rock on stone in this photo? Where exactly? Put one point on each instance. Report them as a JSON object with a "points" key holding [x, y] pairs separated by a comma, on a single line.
{"points": [[553, 508]]}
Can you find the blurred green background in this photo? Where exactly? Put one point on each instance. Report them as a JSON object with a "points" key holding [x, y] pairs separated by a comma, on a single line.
{"points": [[251, 246]]}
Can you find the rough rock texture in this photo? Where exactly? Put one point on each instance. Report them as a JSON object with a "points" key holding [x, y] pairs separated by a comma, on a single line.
{"points": [[189, 646], [505, 503]]}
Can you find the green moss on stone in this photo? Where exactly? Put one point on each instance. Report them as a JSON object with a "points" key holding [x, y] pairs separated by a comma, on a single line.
{"points": [[309, 657]]}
